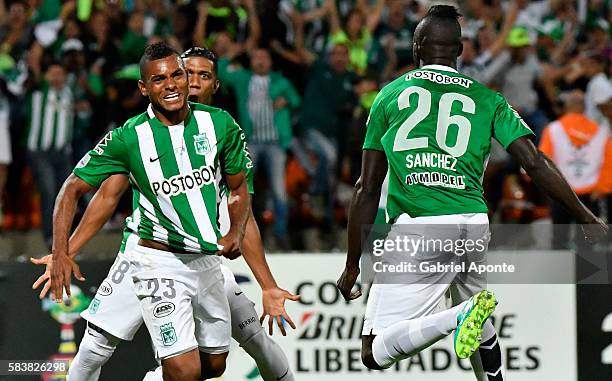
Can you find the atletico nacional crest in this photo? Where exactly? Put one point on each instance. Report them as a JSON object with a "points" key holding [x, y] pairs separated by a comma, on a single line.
{"points": [[202, 145], [168, 334]]}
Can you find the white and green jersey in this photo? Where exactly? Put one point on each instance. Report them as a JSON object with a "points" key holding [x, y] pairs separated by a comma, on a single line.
{"points": [[50, 119], [435, 127], [132, 221], [174, 172]]}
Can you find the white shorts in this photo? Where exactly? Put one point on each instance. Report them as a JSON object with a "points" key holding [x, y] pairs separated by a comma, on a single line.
{"points": [[116, 308], [6, 156], [182, 301], [389, 303]]}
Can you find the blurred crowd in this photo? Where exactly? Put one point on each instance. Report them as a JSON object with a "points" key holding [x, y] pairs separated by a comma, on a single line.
{"points": [[300, 77]]}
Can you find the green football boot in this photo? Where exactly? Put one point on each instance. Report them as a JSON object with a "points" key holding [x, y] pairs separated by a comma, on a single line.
{"points": [[470, 321]]}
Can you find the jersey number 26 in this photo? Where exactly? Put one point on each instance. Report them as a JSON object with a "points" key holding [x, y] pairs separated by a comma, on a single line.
{"points": [[445, 119]]}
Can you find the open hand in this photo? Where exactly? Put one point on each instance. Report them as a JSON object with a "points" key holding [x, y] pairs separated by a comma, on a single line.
{"points": [[46, 276], [280, 103], [61, 268], [274, 306]]}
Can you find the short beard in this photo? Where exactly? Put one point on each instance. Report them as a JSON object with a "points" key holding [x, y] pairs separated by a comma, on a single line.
{"points": [[193, 98]]}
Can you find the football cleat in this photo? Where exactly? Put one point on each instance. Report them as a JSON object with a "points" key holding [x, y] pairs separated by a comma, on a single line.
{"points": [[470, 321]]}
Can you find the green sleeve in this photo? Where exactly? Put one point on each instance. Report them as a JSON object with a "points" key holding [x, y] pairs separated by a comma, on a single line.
{"points": [[507, 123], [108, 157], [234, 157], [376, 125]]}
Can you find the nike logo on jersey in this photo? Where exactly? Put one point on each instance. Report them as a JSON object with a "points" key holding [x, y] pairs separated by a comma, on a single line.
{"points": [[154, 159], [237, 293]]}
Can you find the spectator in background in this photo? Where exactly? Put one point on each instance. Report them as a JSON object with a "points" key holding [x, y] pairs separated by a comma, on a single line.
{"points": [[478, 53], [133, 41], [324, 118], [50, 122], [356, 33], [582, 150], [604, 104], [99, 44], [226, 46], [86, 86], [183, 22], [325, 121], [312, 13], [517, 73], [598, 34], [219, 16], [15, 31], [158, 18], [396, 33], [265, 101], [593, 66]]}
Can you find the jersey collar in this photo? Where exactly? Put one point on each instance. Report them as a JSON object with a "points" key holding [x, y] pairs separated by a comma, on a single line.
{"points": [[151, 114], [440, 67]]}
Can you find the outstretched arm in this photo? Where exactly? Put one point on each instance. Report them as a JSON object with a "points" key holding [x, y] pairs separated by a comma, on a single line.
{"points": [[254, 26], [298, 22], [362, 211], [374, 14], [62, 266], [254, 255], [548, 178], [99, 210], [199, 31], [273, 296], [333, 17], [500, 42]]}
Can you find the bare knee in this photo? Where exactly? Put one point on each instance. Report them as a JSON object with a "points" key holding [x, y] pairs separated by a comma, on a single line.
{"points": [[213, 365], [184, 367], [184, 373], [367, 358]]}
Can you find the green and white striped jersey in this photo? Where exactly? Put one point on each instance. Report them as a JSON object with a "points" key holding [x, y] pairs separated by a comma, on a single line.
{"points": [[132, 221], [174, 172], [50, 119]]}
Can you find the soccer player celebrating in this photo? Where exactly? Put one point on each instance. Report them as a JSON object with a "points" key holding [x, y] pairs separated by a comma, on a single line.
{"points": [[174, 155], [431, 129], [116, 316]]}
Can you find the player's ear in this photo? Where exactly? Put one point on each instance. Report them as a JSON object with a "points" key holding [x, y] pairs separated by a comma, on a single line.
{"points": [[460, 50], [142, 88], [217, 85]]}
